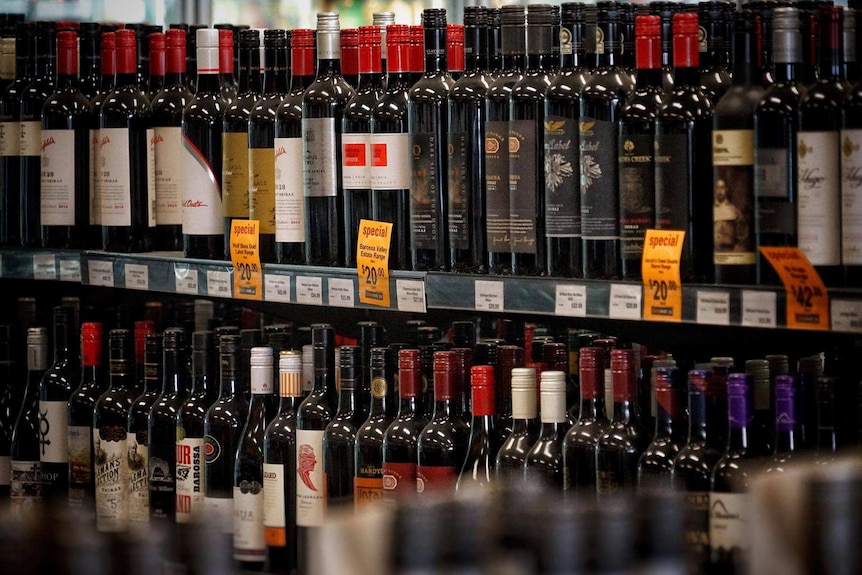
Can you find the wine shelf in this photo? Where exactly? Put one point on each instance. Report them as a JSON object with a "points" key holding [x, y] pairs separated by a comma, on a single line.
{"points": [[417, 292]]}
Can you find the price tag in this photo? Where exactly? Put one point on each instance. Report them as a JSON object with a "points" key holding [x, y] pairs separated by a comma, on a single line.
{"points": [[571, 300], [807, 298], [309, 290], [758, 309], [244, 254], [276, 288], [70, 270], [372, 262], [101, 273], [44, 267], [489, 295], [660, 272], [713, 307], [218, 283], [410, 295], [137, 276], [625, 301], [847, 315], [340, 292], [186, 280]]}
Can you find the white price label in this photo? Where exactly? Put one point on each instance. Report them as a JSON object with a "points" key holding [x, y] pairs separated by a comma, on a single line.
{"points": [[411, 295], [340, 292], [847, 315], [309, 290], [625, 301], [276, 288], [218, 283], [758, 308], [489, 295], [137, 276], [713, 307], [186, 280], [101, 273], [571, 300], [44, 267], [70, 270]]}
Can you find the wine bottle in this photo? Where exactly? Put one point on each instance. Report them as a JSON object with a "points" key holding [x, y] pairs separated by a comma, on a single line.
{"points": [[289, 201], [714, 75], [477, 468], [636, 146], [110, 424], [192, 54], [350, 57], [235, 154], [818, 145], [544, 461], [323, 105], [261, 141], [222, 429], [162, 426], [510, 458], [509, 357], [168, 106], [496, 148], [851, 214], [340, 434], [785, 455], [156, 74], [356, 140], [249, 543], [656, 462], [427, 106], [734, 245], [65, 160], [601, 104], [90, 73], [683, 166], [400, 441], [827, 439], [279, 462], [126, 185], [108, 65], [371, 334], [390, 152], [25, 451], [202, 124]]}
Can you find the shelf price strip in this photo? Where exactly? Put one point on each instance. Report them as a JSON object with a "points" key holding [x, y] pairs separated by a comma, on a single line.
{"points": [[807, 298], [372, 262], [245, 256], [661, 277]]}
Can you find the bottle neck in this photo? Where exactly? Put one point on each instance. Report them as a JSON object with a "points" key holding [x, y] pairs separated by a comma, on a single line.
{"points": [[121, 374], [408, 405], [608, 48], [649, 77], [172, 379], [476, 48], [435, 50], [208, 76], [328, 54], [346, 399], [445, 408], [229, 379], [668, 408], [249, 71], [746, 70], [697, 426], [275, 72]]}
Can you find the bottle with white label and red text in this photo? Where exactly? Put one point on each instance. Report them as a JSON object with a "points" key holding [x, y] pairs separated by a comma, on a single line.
{"points": [[851, 185]]}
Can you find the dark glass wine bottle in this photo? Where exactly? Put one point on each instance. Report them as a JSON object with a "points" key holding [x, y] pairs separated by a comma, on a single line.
{"points": [[90, 73], [339, 458], [477, 468], [66, 122], [203, 212], [513, 451], [544, 462], [851, 202], [390, 148], [168, 106], [279, 463], [714, 75], [683, 156], [261, 141], [323, 105], [636, 147], [601, 104], [428, 112], [656, 463], [156, 74]]}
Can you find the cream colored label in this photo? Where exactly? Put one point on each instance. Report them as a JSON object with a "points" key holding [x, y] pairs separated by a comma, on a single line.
{"points": [[818, 207], [390, 161], [235, 179], [139, 491], [57, 178], [851, 197], [289, 197], [733, 197], [115, 192], [727, 521], [218, 513], [190, 479], [355, 161], [202, 207], [53, 428], [310, 487], [733, 148], [168, 146], [261, 204], [273, 492], [31, 139], [112, 473], [10, 138], [248, 539]]}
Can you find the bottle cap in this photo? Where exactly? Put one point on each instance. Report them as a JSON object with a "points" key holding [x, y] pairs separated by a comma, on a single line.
{"points": [[290, 360], [409, 373], [698, 381], [175, 38], [229, 344], [207, 37], [203, 340], [328, 22], [261, 356], [383, 18], [552, 381], [174, 339], [434, 18]]}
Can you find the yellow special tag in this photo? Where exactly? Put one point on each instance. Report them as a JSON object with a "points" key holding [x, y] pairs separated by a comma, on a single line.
{"points": [[372, 262], [660, 272], [807, 298], [244, 254]]}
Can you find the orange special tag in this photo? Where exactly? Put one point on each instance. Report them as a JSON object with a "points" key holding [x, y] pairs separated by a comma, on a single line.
{"points": [[244, 254], [661, 278], [807, 298], [372, 262]]}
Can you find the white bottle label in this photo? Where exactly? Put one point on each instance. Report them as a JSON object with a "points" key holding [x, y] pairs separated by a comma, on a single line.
{"points": [[289, 198], [727, 521], [5, 470], [390, 166], [53, 426], [248, 538], [26, 487], [202, 208], [273, 496], [190, 479], [114, 177], [58, 178], [10, 138], [851, 197], [819, 193], [310, 488], [112, 481], [356, 161], [168, 145], [218, 513], [95, 179], [31, 139], [139, 490], [321, 158]]}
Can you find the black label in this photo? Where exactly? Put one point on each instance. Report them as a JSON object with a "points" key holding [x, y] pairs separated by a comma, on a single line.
{"points": [[599, 201], [497, 186], [459, 195], [523, 185], [562, 197], [423, 196], [672, 161], [637, 191]]}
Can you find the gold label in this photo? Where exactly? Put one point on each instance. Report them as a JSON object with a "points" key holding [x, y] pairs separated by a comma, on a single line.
{"points": [[261, 168], [235, 174], [378, 387]]}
